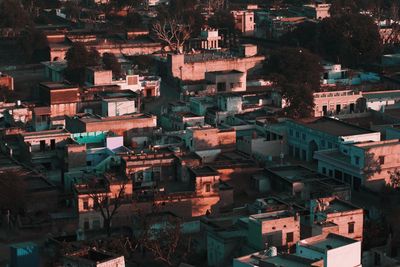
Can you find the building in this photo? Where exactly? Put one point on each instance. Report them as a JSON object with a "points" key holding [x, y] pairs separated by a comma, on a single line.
{"points": [[209, 138], [317, 10], [359, 164], [227, 81], [112, 107], [333, 215], [62, 98], [305, 138], [43, 147], [330, 103], [194, 67], [244, 21], [6, 81], [120, 125], [92, 258], [302, 183], [276, 228], [334, 250]]}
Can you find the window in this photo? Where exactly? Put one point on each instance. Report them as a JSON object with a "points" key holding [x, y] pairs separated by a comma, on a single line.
{"points": [[297, 134], [381, 160], [86, 225], [208, 187], [53, 144], [330, 173], [351, 228], [303, 136], [85, 204], [289, 237], [42, 145], [357, 160], [291, 132], [323, 170]]}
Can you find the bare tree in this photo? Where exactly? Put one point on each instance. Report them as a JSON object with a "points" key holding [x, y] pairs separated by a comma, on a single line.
{"points": [[173, 32], [107, 203], [216, 4]]}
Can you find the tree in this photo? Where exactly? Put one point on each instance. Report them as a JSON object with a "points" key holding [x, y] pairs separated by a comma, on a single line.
{"points": [[5, 93], [72, 10], [106, 203], [160, 233], [78, 58], [222, 19], [34, 45], [352, 40], [133, 20], [172, 32], [13, 194], [13, 15], [297, 72], [110, 62], [395, 178]]}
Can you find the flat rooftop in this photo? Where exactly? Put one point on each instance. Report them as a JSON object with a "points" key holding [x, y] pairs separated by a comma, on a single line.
{"points": [[335, 127], [57, 85], [326, 242], [208, 56], [369, 145], [88, 118], [270, 216], [204, 171], [289, 260]]}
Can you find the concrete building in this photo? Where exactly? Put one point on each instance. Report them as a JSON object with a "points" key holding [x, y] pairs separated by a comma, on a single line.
{"points": [[62, 98], [7, 81], [43, 147], [92, 258], [118, 106], [120, 125], [334, 250], [277, 228], [361, 164], [330, 103], [244, 21], [194, 67], [317, 10], [305, 138], [209, 138], [227, 81], [333, 215], [302, 183]]}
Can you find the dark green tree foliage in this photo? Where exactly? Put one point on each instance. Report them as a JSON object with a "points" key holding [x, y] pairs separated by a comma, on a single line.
{"points": [[34, 45], [297, 72], [222, 19], [350, 39], [13, 15], [353, 40], [78, 58], [110, 62], [133, 20]]}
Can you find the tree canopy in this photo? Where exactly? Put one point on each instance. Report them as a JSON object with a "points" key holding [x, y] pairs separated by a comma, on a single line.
{"points": [[34, 45], [13, 15], [352, 40], [222, 19], [297, 72], [78, 58], [110, 62]]}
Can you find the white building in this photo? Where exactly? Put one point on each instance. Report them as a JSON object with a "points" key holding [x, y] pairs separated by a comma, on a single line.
{"points": [[334, 250]]}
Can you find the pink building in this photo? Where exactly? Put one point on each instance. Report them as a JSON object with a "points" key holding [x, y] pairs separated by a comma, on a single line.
{"points": [[244, 21], [335, 102]]}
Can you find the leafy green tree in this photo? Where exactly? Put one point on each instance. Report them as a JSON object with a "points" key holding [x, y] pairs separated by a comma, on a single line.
{"points": [[350, 39], [110, 62], [78, 58], [297, 72], [13, 15], [222, 19], [133, 20], [34, 45]]}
